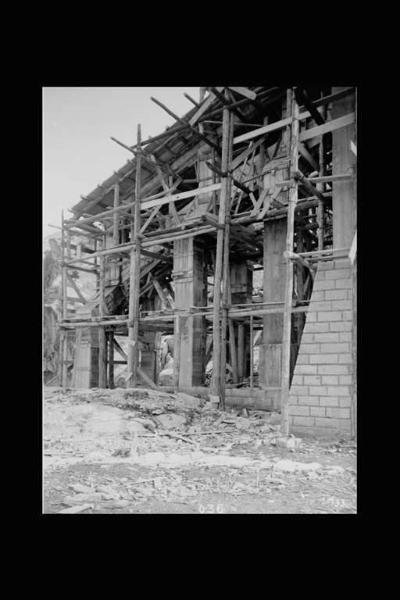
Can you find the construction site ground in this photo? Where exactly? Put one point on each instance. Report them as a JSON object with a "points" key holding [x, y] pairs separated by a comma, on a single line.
{"points": [[143, 451]]}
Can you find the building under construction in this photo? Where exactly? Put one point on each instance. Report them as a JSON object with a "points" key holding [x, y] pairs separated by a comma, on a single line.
{"points": [[234, 231]]}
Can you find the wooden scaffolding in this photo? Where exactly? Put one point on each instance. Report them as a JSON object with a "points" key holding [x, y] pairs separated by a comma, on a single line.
{"points": [[152, 202]]}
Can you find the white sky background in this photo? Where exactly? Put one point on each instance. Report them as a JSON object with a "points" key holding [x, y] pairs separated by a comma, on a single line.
{"points": [[77, 124]]}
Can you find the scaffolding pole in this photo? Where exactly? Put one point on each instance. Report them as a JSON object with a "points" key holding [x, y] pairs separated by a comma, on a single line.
{"points": [[320, 188], [63, 333], [111, 361], [287, 313], [101, 331], [134, 276], [215, 386], [225, 268]]}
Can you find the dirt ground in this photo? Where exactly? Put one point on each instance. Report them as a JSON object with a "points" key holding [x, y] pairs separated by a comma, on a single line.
{"points": [[139, 451]]}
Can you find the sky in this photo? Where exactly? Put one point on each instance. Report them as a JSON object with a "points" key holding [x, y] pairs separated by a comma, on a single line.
{"points": [[77, 125]]}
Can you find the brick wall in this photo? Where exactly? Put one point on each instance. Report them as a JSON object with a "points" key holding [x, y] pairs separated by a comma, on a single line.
{"points": [[322, 385]]}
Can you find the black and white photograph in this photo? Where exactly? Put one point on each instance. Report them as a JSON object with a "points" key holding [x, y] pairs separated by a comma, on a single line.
{"points": [[199, 300]]}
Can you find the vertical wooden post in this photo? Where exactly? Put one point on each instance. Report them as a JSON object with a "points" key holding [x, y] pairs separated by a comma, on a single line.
{"points": [[232, 349], [134, 277], [299, 268], [111, 359], [116, 216], [241, 351], [251, 352], [63, 310], [225, 267], [215, 386], [68, 244], [320, 187], [353, 410], [232, 343], [101, 332], [287, 314], [177, 351]]}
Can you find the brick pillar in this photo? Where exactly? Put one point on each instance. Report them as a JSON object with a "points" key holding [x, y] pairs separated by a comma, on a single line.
{"points": [[321, 391], [190, 284]]}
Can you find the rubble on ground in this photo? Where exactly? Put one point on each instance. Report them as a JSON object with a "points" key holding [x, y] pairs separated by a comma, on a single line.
{"points": [[168, 434]]}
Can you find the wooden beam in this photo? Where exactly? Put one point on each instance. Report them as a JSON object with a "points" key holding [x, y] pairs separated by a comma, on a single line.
{"points": [[164, 300], [191, 99], [327, 127], [122, 207], [274, 126], [302, 261], [181, 196], [262, 130], [243, 155], [76, 268], [303, 98], [243, 91], [150, 159], [120, 350], [225, 102], [183, 122], [336, 96], [237, 183], [153, 213], [203, 108], [311, 189], [324, 179], [76, 289], [305, 153]]}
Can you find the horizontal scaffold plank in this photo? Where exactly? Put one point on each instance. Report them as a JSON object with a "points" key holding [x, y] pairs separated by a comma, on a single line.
{"points": [[305, 135], [181, 196], [266, 129], [327, 127]]}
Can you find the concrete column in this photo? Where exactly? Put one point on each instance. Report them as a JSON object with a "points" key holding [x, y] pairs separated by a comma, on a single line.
{"points": [[274, 288], [241, 289], [147, 341], [343, 197], [241, 283], [190, 284], [148, 353], [112, 266]]}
